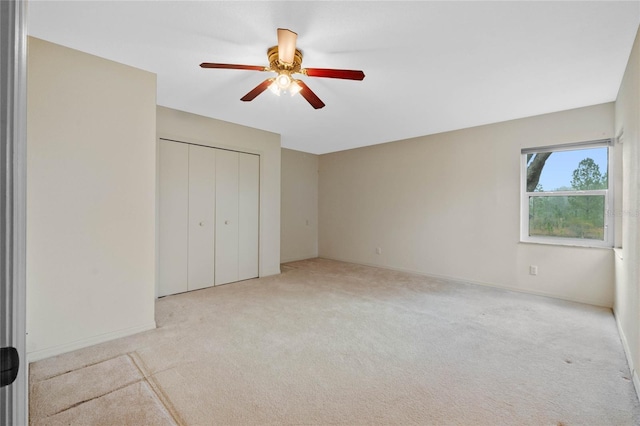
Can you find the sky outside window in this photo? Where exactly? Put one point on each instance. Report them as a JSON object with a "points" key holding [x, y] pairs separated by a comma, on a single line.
{"points": [[558, 169]]}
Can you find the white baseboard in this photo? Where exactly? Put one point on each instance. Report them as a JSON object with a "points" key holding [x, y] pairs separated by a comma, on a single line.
{"points": [[467, 281], [297, 258], [627, 352], [83, 343], [270, 272]]}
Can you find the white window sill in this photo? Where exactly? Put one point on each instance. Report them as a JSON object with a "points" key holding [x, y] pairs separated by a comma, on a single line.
{"points": [[568, 244]]}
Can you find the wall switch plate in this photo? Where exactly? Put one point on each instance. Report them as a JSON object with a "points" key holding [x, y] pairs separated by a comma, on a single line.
{"points": [[378, 250], [533, 270]]}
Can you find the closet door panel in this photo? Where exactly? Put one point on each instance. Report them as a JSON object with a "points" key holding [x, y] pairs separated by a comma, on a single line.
{"points": [[249, 196], [173, 182], [202, 181], [226, 264]]}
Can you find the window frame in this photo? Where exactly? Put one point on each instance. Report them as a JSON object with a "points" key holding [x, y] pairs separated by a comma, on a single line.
{"points": [[608, 193]]}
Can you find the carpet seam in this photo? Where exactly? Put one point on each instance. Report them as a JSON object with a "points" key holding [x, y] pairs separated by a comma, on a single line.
{"points": [[129, 383], [77, 404], [76, 369], [156, 388]]}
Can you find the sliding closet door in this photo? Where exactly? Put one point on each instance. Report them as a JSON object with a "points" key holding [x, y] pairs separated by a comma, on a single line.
{"points": [[173, 217], [226, 264], [202, 181], [248, 208]]}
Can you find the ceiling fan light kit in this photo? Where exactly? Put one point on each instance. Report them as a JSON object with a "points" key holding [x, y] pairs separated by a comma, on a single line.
{"points": [[290, 64], [285, 60]]}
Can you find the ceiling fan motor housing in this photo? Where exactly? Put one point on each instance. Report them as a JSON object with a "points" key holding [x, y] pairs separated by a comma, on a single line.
{"points": [[276, 65]]}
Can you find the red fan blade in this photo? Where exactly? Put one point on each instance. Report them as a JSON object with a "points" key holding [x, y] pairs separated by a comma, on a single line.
{"points": [[286, 45], [257, 90], [309, 95], [233, 66], [330, 73]]}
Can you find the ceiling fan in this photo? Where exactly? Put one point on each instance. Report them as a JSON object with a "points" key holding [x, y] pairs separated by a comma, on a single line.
{"points": [[286, 60]]}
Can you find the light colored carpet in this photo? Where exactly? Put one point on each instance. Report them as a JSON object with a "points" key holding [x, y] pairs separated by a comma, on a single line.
{"points": [[329, 342]]}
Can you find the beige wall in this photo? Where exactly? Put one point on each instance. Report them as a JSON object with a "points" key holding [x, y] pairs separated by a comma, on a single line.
{"points": [[299, 211], [90, 199], [185, 127], [627, 294], [448, 205]]}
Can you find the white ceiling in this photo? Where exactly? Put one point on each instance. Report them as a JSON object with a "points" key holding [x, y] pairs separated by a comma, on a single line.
{"points": [[430, 66]]}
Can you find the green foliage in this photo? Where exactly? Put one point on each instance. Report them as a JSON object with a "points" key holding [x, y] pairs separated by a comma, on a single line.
{"points": [[587, 176], [579, 216]]}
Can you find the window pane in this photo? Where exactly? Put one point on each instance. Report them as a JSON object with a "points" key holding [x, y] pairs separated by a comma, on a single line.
{"points": [[575, 216], [576, 170]]}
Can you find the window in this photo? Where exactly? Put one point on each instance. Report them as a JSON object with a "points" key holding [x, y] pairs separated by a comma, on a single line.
{"points": [[566, 195]]}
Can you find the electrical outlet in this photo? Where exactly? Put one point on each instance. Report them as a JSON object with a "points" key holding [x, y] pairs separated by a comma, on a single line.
{"points": [[378, 250], [533, 270]]}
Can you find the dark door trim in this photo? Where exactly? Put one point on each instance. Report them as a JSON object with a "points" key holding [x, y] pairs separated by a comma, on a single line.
{"points": [[13, 167]]}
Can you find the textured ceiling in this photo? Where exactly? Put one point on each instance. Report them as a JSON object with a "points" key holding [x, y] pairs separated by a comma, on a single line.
{"points": [[430, 66]]}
